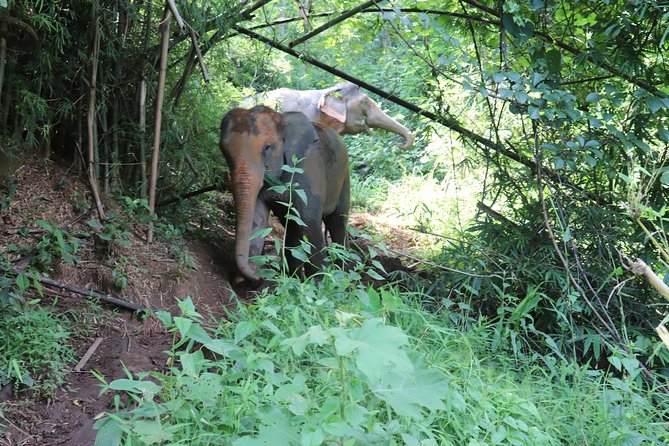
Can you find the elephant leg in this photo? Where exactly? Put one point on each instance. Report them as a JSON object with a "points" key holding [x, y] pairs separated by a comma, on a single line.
{"points": [[315, 235], [260, 221], [336, 222], [312, 232]]}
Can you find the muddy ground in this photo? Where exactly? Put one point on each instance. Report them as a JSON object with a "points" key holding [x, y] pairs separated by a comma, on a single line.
{"points": [[125, 340]]}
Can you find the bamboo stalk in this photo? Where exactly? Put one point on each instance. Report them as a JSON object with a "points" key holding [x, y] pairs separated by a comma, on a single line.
{"points": [[142, 136], [90, 121], [162, 74], [200, 58], [3, 54]]}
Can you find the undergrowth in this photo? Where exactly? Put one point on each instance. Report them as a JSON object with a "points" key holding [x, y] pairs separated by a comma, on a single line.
{"points": [[338, 362], [35, 353]]}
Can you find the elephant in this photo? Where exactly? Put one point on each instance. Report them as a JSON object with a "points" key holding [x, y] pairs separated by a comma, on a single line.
{"points": [[343, 108], [256, 144]]}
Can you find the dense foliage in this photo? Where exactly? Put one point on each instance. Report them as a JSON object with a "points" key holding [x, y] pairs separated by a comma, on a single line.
{"points": [[538, 177], [337, 362]]}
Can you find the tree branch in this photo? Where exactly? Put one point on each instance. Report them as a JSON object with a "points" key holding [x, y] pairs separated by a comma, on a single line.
{"points": [[332, 23]]}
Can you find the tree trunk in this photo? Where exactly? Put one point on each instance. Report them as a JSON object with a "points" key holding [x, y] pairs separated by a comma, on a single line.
{"points": [[164, 45]]}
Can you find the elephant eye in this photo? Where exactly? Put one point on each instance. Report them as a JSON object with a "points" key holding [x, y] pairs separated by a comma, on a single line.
{"points": [[266, 150]]}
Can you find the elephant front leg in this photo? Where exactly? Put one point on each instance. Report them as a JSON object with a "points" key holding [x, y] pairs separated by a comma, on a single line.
{"points": [[294, 236], [260, 221]]}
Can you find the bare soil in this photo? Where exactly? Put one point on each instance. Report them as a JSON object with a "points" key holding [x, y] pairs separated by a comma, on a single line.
{"points": [[129, 342]]}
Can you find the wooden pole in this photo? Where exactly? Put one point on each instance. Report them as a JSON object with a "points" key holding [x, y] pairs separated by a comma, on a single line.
{"points": [[92, 178], [162, 74]]}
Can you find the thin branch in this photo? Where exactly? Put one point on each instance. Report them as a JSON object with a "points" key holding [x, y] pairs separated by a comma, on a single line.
{"points": [[248, 13], [332, 23], [211, 187]]}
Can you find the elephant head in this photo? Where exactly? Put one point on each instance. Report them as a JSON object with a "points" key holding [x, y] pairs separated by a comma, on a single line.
{"points": [[255, 144], [343, 108], [349, 111]]}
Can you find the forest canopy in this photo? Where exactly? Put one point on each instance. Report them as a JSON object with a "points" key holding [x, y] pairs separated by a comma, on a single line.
{"points": [[542, 125]]}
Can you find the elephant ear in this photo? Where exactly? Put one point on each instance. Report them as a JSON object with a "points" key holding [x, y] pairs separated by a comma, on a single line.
{"points": [[332, 104], [299, 135]]}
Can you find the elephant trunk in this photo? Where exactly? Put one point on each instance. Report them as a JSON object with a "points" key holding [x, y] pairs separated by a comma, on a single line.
{"points": [[378, 119], [245, 188]]}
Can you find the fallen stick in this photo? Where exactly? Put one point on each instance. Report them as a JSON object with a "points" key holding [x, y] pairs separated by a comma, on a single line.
{"points": [[84, 359], [219, 186], [82, 291]]}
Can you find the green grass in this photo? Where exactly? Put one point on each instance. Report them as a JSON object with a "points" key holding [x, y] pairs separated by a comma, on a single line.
{"points": [[34, 350], [336, 362]]}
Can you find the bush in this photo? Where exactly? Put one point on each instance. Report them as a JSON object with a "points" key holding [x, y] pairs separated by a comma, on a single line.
{"points": [[34, 349], [339, 362]]}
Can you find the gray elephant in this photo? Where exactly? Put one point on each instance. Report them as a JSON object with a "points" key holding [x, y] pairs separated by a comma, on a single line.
{"points": [[256, 144], [343, 108]]}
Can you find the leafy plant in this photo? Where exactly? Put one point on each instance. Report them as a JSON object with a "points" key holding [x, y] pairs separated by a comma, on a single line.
{"points": [[335, 361], [34, 349], [114, 231], [54, 244]]}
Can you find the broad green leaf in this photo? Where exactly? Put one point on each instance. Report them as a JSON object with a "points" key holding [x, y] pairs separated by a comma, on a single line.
{"points": [[222, 347], [553, 62], [274, 430], [315, 335], [151, 432], [654, 104], [378, 347], [205, 389], [534, 112], [303, 196], [109, 432], [262, 233], [526, 305], [426, 388], [338, 428], [22, 282], [312, 438], [593, 97], [243, 330], [146, 388], [299, 254], [615, 362], [192, 363], [189, 330], [536, 79], [93, 224], [664, 179], [498, 78]]}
